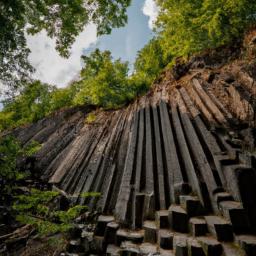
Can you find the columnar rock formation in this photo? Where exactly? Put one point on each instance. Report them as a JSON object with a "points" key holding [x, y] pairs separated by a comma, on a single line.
{"points": [[176, 169]]}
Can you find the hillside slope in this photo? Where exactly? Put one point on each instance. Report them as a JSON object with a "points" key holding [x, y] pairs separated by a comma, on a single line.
{"points": [[176, 169]]}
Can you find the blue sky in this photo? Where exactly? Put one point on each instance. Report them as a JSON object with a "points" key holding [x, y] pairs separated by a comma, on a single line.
{"points": [[123, 43]]}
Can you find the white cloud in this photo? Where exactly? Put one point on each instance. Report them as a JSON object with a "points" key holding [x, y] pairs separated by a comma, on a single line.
{"points": [[50, 67], [150, 9]]}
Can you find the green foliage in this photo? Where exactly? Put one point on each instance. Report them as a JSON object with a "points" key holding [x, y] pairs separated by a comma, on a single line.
{"points": [[34, 102], [62, 20], [10, 151], [37, 209], [91, 117], [103, 81], [62, 97], [30, 105], [189, 26], [32, 148], [149, 63]]}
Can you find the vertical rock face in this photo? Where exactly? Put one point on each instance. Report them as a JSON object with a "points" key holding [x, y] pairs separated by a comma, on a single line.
{"points": [[176, 168]]}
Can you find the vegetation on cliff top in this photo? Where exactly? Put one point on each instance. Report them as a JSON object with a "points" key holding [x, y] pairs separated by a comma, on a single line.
{"points": [[186, 27], [183, 28]]}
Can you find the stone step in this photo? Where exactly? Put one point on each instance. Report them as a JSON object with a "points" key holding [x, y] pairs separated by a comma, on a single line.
{"points": [[180, 245], [211, 246], [102, 222], [110, 233], [148, 249], [197, 227], [113, 250], [220, 228], [165, 239], [178, 218], [150, 229], [192, 205], [98, 244], [194, 248], [230, 249], [223, 196], [138, 204], [236, 214], [130, 249], [163, 252], [135, 237], [162, 220], [75, 246], [248, 244]]}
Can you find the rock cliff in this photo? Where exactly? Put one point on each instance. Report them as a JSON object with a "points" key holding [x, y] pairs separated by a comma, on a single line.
{"points": [[176, 168]]}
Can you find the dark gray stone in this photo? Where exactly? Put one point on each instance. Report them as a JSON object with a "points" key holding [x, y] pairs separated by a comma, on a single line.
{"points": [[248, 243], [197, 226], [162, 220], [220, 228], [178, 218], [211, 246], [150, 235], [102, 224], [192, 205], [180, 246], [237, 215], [165, 239]]}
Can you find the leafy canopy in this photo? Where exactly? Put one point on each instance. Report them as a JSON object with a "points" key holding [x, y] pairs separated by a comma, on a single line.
{"points": [[31, 105], [103, 81], [62, 20], [150, 61], [189, 26]]}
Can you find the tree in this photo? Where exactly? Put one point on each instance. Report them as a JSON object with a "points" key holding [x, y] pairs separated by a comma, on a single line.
{"points": [[189, 26], [62, 19], [150, 62], [103, 81], [32, 104], [11, 152], [62, 97]]}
